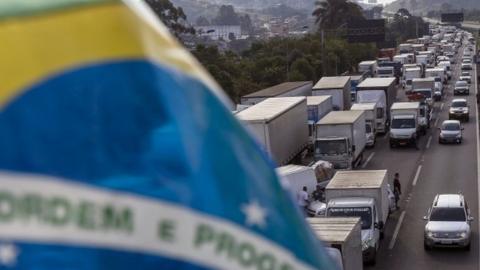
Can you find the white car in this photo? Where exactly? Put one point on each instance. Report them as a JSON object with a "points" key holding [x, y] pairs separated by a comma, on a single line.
{"points": [[448, 222]]}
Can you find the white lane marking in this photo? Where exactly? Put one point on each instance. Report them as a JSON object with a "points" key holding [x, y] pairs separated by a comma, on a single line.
{"points": [[368, 160], [417, 174], [397, 229], [436, 121], [441, 107], [429, 141], [478, 141]]}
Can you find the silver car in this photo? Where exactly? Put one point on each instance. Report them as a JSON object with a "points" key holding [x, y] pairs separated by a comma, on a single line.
{"points": [[448, 222], [450, 132]]}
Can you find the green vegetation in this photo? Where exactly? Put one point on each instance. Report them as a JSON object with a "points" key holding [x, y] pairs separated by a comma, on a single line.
{"points": [[278, 60]]}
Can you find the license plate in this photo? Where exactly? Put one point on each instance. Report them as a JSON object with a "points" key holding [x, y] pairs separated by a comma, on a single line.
{"points": [[446, 242]]}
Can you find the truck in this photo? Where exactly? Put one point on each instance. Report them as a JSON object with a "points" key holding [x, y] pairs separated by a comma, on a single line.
{"points": [[369, 67], [405, 48], [404, 126], [385, 72], [425, 87], [338, 87], [342, 233], [355, 79], [370, 110], [439, 74], [382, 92], [361, 194], [296, 177], [279, 125], [341, 139], [409, 75], [318, 107], [287, 89]]}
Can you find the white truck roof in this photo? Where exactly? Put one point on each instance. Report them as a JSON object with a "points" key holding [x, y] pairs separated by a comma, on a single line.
{"points": [[357, 179], [334, 230], [405, 105], [428, 79], [335, 82], [269, 109], [363, 106], [435, 69], [369, 62], [377, 82], [340, 117], [291, 168], [317, 100]]}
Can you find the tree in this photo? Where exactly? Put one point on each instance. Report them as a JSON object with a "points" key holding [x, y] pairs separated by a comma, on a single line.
{"points": [[226, 16], [413, 4], [331, 14], [202, 21], [174, 18]]}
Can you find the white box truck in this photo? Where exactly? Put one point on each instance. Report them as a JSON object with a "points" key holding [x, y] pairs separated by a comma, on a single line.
{"points": [[409, 75], [370, 110], [361, 194], [296, 177], [404, 126], [344, 234], [338, 87], [382, 92], [439, 74], [286, 89], [424, 87], [279, 124], [368, 67], [341, 138], [318, 107]]}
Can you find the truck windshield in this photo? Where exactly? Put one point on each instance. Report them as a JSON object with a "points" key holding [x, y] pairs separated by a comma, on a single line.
{"points": [[447, 214], [385, 71], [365, 214], [331, 147], [403, 123]]}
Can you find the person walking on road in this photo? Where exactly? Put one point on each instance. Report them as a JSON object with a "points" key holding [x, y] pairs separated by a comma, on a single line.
{"points": [[302, 199], [397, 188]]}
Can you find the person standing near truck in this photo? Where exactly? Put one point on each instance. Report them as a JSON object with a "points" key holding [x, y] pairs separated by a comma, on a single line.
{"points": [[397, 188], [302, 199]]}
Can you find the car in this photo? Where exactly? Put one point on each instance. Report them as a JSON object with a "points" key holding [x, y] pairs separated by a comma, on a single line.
{"points": [[466, 60], [459, 109], [466, 78], [448, 222], [438, 91], [450, 132], [461, 87], [467, 66]]}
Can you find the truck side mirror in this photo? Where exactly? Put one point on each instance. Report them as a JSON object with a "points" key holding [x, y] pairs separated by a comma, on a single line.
{"points": [[353, 148], [425, 218], [470, 218]]}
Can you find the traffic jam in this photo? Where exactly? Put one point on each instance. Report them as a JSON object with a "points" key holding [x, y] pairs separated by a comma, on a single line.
{"points": [[355, 149]]}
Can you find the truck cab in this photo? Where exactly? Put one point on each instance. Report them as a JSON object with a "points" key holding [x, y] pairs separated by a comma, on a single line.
{"points": [[404, 126], [371, 223], [337, 150]]}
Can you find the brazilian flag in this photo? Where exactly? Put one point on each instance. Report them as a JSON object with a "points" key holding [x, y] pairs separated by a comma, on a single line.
{"points": [[118, 151]]}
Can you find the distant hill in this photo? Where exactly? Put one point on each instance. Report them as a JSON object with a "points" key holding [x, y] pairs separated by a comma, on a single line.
{"points": [[424, 6]]}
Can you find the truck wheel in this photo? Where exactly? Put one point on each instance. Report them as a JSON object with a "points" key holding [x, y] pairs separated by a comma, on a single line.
{"points": [[373, 260]]}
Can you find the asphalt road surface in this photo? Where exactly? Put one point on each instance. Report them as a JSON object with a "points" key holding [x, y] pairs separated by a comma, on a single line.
{"points": [[424, 173]]}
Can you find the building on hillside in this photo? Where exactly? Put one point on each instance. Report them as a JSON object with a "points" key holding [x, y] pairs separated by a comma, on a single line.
{"points": [[217, 32]]}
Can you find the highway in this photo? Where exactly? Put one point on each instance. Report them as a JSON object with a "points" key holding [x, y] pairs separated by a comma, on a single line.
{"points": [[424, 173]]}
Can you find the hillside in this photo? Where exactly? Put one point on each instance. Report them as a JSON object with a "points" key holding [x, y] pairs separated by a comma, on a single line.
{"points": [[424, 6]]}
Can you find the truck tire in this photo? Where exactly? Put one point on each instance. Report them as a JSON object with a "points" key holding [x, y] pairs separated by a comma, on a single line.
{"points": [[373, 261]]}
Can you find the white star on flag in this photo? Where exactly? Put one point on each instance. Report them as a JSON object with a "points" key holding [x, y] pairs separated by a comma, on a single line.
{"points": [[255, 214], [8, 254]]}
